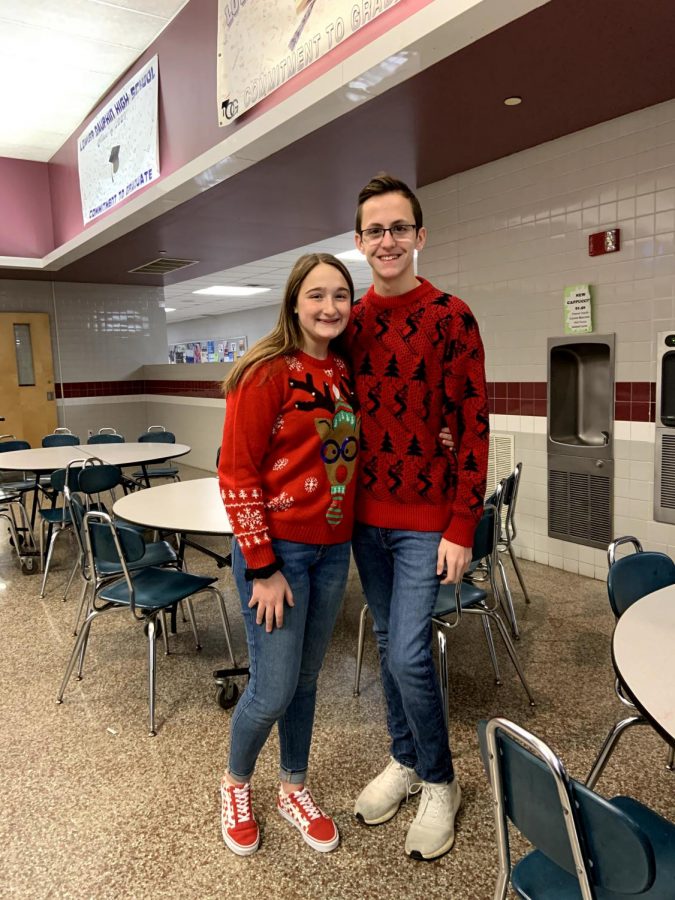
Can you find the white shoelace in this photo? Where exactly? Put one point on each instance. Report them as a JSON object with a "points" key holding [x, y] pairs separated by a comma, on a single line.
{"points": [[305, 800], [241, 810]]}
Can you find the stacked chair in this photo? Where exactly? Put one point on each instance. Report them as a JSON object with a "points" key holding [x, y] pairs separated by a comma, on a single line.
{"points": [[157, 434]]}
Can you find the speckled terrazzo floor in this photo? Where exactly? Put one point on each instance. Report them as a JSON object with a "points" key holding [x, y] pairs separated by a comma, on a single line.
{"points": [[92, 807]]}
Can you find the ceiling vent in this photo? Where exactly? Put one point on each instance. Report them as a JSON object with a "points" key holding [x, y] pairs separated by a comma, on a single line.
{"points": [[163, 266]]}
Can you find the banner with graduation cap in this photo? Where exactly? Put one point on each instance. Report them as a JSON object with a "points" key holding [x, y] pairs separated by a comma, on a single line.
{"points": [[118, 151]]}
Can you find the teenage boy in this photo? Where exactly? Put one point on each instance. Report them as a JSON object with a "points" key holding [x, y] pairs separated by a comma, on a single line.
{"points": [[419, 366]]}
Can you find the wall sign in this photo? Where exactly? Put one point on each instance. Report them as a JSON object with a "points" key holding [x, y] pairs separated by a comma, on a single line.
{"points": [[577, 309], [118, 151], [264, 43], [223, 350]]}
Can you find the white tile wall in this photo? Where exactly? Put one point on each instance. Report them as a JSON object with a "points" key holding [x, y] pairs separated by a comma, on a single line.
{"points": [[509, 236], [99, 332]]}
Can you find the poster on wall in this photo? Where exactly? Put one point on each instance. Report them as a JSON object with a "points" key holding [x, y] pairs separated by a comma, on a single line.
{"points": [[577, 309], [208, 351], [118, 151], [264, 43]]}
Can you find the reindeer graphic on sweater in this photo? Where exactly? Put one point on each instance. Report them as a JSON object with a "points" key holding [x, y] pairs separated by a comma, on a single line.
{"points": [[339, 435]]}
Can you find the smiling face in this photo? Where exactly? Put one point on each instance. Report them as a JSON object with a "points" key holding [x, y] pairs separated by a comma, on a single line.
{"points": [[323, 307], [392, 260]]}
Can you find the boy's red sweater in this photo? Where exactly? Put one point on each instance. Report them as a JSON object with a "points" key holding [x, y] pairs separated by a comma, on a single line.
{"points": [[419, 364], [289, 451]]}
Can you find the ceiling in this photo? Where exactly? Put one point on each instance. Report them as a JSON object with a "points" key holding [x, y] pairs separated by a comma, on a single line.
{"points": [[574, 62], [79, 48]]}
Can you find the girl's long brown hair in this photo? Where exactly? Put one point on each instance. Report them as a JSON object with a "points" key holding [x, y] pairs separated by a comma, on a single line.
{"points": [[286, 336]]}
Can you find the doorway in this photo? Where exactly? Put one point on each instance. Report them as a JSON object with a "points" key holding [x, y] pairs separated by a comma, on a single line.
{"points": [[27, 400]]}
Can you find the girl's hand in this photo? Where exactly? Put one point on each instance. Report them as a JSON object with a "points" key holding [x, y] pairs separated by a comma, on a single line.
{"points": [[269, 595]]}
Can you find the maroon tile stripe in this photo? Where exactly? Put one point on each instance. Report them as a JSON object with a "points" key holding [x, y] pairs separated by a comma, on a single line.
{"points": [[635, 401], [122, 388]]}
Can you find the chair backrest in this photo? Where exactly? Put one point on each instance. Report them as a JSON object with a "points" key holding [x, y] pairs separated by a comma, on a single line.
{"points": [[106, 438], [158, 437], [575, 828], [509, 500], [106, 541], [60, 440], [485, 537], [218, 457], [72, 473], [8, 446], [632, 577], [95, 478]]}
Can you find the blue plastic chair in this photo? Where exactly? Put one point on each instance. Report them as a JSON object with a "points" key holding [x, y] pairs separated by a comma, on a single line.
{"points": [[465, 598], [629, 579], [157, 434], [56, 519], [586, 847], [60, 440], [145, 592], [106, 438]]}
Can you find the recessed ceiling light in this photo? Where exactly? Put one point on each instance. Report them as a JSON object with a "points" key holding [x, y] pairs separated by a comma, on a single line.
{"points": [[221, 290], [513, 101], [169, 309], [351, 256]]}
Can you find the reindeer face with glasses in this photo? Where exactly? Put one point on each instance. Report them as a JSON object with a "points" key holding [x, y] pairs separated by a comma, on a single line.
{"points": [[339, 435]]}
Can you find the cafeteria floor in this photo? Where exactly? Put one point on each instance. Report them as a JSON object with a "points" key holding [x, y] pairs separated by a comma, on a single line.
{"points": [[92, 807]]}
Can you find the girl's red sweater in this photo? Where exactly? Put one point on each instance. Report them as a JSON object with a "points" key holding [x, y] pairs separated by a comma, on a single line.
{"points": [[289, 451]]}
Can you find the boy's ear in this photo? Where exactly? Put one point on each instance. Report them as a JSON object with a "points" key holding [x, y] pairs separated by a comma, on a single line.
{"points": [[421, 238]]}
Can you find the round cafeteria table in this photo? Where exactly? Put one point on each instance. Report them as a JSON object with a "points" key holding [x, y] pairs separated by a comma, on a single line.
{"points": [[643, 646]]}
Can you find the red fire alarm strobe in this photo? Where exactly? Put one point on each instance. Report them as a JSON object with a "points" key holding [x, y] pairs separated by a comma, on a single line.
{"points": [[604, 242]]}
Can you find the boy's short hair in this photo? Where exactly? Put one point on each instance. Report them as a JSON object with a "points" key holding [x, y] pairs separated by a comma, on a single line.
{"points": [[383, 183]]}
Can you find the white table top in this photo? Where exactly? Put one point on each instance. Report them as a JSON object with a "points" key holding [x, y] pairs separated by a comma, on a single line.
{"points": [[42, 459], [46, 459], [190, 507], [643, 649], [130, 454]]}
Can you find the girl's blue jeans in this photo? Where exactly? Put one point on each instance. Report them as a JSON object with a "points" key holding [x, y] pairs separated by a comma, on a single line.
{"points": [[285, 663]]}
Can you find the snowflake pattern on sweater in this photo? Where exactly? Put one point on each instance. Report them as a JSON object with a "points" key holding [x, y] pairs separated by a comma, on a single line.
{"points": [[290, 444]]}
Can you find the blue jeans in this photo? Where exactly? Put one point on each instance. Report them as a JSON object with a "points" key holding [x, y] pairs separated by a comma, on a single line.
{"points": [[398, 574], [285, 663]]}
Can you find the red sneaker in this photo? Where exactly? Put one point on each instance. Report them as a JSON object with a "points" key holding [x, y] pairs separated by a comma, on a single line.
{"points": [[240, 829], [317, 829]]}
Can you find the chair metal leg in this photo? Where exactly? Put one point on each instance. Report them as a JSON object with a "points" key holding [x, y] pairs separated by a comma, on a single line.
{"points": [[193, 623], [360, 641], [609, 746], [81, 606], [80, 643], [507, 601], [165, 632], [491, 649], [50, 550], [443, 675], [508, 643], [152, 672], [671, 759], [226, 623], [519, 574], [70, 580]]}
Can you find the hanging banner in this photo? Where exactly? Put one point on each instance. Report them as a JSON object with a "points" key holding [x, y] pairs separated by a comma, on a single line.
{"points": [[118, 151], [264, 43]]}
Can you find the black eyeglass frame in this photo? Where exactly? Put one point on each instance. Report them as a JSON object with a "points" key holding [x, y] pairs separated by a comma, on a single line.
{"points": [[374, 240]]}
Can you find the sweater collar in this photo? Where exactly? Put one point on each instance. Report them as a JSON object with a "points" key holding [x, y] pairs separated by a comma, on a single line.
{"points": [[423, 291]]}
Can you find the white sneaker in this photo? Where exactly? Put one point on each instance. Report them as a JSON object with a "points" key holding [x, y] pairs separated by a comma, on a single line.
{"points": [[380, 799], [432, 832]]}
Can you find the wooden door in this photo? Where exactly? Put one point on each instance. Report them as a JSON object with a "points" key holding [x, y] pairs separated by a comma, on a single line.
{"points": [[27, 399]]}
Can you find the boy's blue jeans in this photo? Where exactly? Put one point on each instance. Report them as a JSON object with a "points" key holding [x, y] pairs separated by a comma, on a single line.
{"points": [[285, 663], [398, 574]]}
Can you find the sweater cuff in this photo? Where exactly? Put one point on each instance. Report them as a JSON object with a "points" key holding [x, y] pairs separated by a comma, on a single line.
{"points": [[264, 571], [461, 530]]}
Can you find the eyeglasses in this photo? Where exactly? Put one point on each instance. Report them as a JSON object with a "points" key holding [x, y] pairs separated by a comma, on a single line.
{"points": [[400, 232]]}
